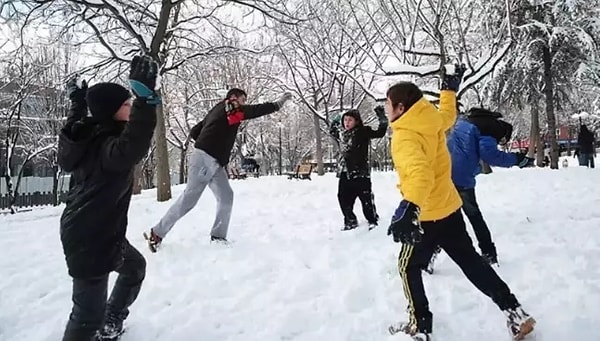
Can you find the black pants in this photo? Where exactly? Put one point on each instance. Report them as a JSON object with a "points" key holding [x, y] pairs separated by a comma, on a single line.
{"points": [[348, 191], [451, 235], [482, 232], [90, 307]]}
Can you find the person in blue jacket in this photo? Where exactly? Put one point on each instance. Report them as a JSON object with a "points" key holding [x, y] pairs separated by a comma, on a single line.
{"points": [[475, 138]]}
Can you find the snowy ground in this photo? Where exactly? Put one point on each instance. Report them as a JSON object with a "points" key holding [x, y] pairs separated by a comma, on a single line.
{"points": [[291, 274]]}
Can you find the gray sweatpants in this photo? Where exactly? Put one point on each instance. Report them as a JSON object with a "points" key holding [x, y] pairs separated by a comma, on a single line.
{"points": [[203, 170]]}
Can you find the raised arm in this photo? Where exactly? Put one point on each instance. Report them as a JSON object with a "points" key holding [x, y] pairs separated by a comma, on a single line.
{"points": [[383, 124], [124, 151], [258, 110]]}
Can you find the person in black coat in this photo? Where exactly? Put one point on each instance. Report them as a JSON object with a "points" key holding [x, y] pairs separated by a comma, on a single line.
{"points": [[353, 165], [101, 151], [585, 147]]}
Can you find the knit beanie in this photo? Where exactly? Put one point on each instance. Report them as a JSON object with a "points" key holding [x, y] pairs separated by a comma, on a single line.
{"points": [[105, 99]]}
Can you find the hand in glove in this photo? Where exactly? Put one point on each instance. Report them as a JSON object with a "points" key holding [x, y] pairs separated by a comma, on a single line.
{"points": [[76, 91], [452, 76], [334, 126], [405, 226], [142, 79], [523, 160], [284, 98], [380, 112]]}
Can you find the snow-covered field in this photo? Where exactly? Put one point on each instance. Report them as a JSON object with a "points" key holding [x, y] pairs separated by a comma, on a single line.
{"points": [[291, 274]]}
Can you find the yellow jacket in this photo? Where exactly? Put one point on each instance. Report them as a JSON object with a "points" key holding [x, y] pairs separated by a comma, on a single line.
{"points": [[421, 157]]}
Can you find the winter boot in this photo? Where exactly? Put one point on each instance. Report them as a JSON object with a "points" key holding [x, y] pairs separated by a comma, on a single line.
{"points": [[411, 330], [112, 329], [491, 259], [219, 240], [373, 224], [351, 225], [519, 323], [153, 240]]}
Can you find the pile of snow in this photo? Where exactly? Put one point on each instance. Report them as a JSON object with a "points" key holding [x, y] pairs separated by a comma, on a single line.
{"points": [[291, 274]]}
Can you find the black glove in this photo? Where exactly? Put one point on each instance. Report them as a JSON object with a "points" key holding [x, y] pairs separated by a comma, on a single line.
{"points": [[142, 79], [380, 112], [405, 226], [76, 91], [452, 76], [523, 160]]}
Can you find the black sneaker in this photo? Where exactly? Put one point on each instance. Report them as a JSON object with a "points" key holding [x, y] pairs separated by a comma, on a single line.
{"points": [[372, 225], [219, 240], [491, 259], [350, 226], [112, 329]]}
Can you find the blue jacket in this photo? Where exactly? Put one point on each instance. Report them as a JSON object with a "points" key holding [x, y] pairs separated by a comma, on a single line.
{"points": [[467, 146]]}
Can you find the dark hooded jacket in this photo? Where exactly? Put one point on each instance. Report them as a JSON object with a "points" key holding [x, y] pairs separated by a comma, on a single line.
{"points": [[216, 133], [354, 146], [585, 140], [101, 159]]}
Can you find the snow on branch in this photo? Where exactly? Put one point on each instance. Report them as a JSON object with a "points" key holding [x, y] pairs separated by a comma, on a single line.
{"points": [[412, 70]]}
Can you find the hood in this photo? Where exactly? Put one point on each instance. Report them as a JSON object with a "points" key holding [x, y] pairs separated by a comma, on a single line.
{"points": [[74, 140], [491, 126], [422, 118]]}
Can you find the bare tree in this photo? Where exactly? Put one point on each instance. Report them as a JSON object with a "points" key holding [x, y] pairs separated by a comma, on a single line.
{"points": [[173, 32], [32, 113], [554, 59], [315, 54], [413, 39]]}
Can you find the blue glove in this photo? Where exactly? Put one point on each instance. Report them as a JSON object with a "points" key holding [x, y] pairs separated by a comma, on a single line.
{"points": [[142, 79], [336, 120], [405, 226], [334, 127], [451, 79]]}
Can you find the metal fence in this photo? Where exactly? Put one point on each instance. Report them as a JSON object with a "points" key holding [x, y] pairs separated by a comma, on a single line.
{"points": [[31, 199]]}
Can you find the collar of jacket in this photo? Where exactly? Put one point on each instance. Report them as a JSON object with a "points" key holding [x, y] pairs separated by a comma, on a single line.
{"points": [[422, 118]]}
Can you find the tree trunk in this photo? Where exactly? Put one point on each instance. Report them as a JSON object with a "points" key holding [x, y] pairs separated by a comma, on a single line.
{"points": [[549, 94], [137, 178], [55, 193], [182, 175], [319, 145], [163, 180], [534, 133]]}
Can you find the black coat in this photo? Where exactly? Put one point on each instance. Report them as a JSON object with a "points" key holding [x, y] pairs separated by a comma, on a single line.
{"points": [[101, 159], [216, 133], [585, 140], [354, 148]]}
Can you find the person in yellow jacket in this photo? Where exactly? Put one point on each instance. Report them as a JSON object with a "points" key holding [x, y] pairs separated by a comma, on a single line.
{"points": [[429, 214]]}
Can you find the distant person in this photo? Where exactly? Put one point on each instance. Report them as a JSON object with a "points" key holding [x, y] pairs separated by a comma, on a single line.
{"points": [[214, 138], [585, 147], [353, 165]]}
